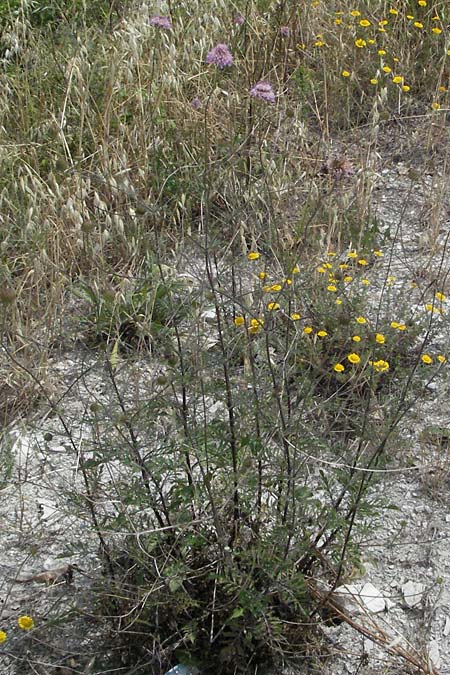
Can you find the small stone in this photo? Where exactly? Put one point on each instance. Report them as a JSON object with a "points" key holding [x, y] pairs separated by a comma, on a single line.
{"points": [[413, 593], [433, 653], [447, 626]]}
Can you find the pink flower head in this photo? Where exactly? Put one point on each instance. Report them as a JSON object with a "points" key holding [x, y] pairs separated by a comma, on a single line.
{"points": [[161, 22], [239, 19], [285, 31], [220, 55], [264, 91], [196, 103]]}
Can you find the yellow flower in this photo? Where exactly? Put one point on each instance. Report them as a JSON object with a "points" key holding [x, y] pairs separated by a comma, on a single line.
{"points": [[295, 269], [356, 338], [426, 359], [360, 43], [393, 11], [436, 30], [319, 43], [347, 279], [353, 358], [355, 12], [332, 288], [338, 301], [2, 636], [338, 22], [364, 23], [256, 323], [370, 41], [390, 280], [435, 105], [25, 622], [365, 282], [331, 254], [267, 289], [288, 282], [253, 255], [442, 89], [379, 337], [262, 275], [418, 24], [276, 287], [239, 321], [378, 253], [374, 80], [321, 269], [410, 17], [386, 69], [307, 330], [328, 266], [295, 316], [380, 366], [383, 22], [441, 358], [382, 52], [398, 326], [422, 3], [345, 73], [362, 262], [272, 306], [343, 266], [398, 79], [361, 320], [352, 254], [440, 296], [322, 333], [406, 87], [339, 368]]}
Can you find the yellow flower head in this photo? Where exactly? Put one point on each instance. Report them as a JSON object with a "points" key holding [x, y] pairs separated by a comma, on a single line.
{"points": [[307, 330], [295, 269], [332, 288], [360, 43], [322, 333], [25, 622], [253, 255], [239, 321], [406, 87], [440, 296], [356, 338], [2, 636], [352, 254], [339, 368], [378, 253], [362, 262], [379, 337], [436, 30], [380, 366], [398, 79], [364, 23], [348, 278], [353, 358], [272, 306], [426, 359], [441, 358], [365, 282], [345, 73], [393, 11], [295, 316], [374, 80], [276, 287], [386, 69], [355, 12], [361, 320]]}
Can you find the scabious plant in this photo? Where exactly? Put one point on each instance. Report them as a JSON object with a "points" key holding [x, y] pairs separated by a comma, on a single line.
{"points": [[161, 22], [220, 56], [263, 90]]}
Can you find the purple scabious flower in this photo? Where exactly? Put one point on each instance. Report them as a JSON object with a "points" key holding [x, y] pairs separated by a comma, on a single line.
{"points": [[220, 56], [285, 31], [196, 103], [239, 19], [161, 22], [264, 91]]}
